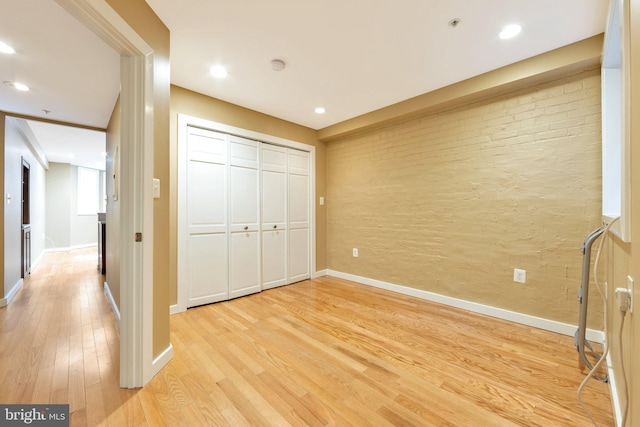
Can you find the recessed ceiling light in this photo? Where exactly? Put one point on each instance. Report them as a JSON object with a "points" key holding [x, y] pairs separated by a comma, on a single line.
{"points": [[320, 110], [17, 86], [219, 71], [510, 31], [20, 86], [5, 48]]}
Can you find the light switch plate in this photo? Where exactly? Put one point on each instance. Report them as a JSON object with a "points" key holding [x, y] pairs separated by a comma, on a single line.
{"points": [[156, 188], [630, 286]]}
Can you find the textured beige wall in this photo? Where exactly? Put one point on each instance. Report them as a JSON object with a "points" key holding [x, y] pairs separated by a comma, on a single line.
{"points": [[451, 203], [184, 101]]}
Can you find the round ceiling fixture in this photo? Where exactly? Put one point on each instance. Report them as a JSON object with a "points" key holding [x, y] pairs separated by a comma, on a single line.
{"points": [[277, 64]]}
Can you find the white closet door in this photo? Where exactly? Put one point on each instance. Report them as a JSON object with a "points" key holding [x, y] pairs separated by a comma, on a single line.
{"points": [[298, 216], [207, 217], [244, 202], [274, 216]]}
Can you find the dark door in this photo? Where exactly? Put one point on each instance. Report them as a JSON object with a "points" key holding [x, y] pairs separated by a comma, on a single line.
{"points": [[26, 221]]}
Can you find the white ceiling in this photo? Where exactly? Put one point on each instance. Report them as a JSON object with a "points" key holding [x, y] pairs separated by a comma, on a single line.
{"points": [[64, 144], [70, 72], [355, 56], [348, 56]]}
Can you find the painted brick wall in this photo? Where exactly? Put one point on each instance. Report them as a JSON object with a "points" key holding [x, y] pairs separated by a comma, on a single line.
{"points": [[451, 203]]}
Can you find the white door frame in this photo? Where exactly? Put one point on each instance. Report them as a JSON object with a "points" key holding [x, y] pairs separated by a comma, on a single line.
{"points": [[136, 186], [184, 121]]}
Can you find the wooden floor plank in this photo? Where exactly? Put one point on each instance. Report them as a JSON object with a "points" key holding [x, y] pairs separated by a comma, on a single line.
{"points": [[316, 353]]}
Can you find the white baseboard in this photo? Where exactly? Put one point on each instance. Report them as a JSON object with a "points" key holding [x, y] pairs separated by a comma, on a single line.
{"points": [[175, 309], [71, 248], [12, 293], [319, 273], [112, 302], [615, 397], [34, 264], [512, 316], [160, 361]]}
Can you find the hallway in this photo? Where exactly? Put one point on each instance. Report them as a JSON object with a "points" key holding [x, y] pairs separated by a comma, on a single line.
{"points": [[59, 341]]}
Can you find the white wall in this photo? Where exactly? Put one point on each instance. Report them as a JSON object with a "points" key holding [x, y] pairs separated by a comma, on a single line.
{"points": [[58, 196], [16, 148], [65, 228]]}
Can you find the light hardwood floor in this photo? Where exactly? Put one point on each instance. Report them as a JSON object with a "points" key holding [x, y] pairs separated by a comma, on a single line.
{"points": [[319, 352]]}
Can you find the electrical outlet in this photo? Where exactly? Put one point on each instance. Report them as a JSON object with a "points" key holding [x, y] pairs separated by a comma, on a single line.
{"points": [[630, 284], [519, 276], [623, 299], [355, 252]]}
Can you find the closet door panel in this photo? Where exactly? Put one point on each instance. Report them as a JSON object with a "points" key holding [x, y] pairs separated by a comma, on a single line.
{"points": [[243, 198], [207, 218], [298, 261], [274, 216], [298, 254], [208, 280], [298, 201], [274, 198], [274, 158], [244, 217], [244, 266], [207, 197], [274, 255]]}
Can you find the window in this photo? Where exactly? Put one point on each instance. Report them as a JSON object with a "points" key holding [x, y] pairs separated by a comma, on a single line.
{"points": [[88, 191], [615, 138]]}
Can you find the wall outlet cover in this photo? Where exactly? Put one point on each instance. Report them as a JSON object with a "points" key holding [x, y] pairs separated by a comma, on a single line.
{"points": [[519, 276]]}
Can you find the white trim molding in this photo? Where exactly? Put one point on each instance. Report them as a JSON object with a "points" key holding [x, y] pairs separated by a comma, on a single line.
{"points": [[112, 302], [319, 273], [616, 403], [12, 293], [160, 361], [500, 313]]}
